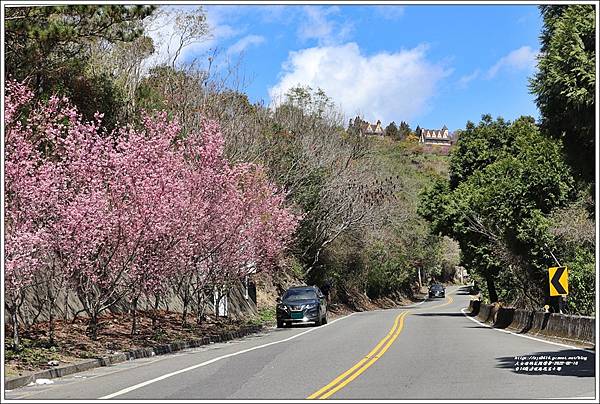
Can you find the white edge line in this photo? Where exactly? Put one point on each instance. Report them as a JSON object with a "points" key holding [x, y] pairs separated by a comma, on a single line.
{"points": [[413, 305], [165, 376], [525, 336]]}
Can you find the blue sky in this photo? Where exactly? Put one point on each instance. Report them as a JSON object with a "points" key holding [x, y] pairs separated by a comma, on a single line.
{"points": [[428, 65]]}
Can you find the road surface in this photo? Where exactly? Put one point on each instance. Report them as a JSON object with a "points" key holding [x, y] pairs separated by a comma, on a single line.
{"points": [[425, 351]]}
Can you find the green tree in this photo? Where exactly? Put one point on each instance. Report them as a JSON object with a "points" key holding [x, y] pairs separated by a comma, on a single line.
{"points": [[50, 48], [565, 83], [392, 131], [565, 87], [404, 130], [505, 180], [40, 39]]}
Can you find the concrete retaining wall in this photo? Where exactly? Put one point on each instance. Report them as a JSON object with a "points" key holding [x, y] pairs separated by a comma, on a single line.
{"points": [[484, 312], [504, 317], [570, 327], [474, 306], [522, 320], [239, 306], [576, 328]]}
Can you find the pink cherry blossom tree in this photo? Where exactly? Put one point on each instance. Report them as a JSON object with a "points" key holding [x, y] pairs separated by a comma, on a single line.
{"points": [[33, 187], [128, 214]]}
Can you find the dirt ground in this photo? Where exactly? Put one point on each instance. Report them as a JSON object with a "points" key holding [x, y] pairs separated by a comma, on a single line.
{"points": [[72, 344]]}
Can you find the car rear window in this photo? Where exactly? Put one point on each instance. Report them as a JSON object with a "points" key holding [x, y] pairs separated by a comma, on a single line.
{"points": [[299, 294]]}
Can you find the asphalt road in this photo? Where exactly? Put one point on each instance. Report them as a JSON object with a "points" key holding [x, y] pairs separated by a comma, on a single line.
{"points": [[425, 351]]}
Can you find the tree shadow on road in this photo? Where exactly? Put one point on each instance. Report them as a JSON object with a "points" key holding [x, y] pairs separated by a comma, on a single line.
{"points": [[465, 290], [569, 362], [439, 314], [301, 325]]}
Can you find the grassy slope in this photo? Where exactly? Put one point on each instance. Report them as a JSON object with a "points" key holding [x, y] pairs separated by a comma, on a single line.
{"points": [[424, 162], [416, 166]]}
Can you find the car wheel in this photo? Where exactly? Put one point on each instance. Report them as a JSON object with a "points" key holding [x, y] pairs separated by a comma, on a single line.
{"points": [[279, 323], [325, 319]]}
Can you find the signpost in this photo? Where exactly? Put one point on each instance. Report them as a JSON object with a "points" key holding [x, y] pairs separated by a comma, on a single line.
{"points": [[559, 281]]}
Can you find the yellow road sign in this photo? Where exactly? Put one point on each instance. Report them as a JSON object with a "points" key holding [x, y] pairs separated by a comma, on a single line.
{"points": [[559, 281]]}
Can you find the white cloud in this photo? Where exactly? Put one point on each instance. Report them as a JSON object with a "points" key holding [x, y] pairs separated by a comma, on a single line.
{"points": [[244, 43], [466, 79], [387, 86], [523, 58], [277, 14], [316, 24], [389, 12]]}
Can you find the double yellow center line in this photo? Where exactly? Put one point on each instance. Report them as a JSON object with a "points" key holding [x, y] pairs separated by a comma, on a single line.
{"points": [[342, 380], [372, 357]]}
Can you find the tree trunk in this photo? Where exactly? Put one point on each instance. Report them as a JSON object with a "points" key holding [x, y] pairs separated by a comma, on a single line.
{"points": [[51, 304], [491, 289], [15, 325], [93, 326], [51, 323], [155, 312], [134, 303], [185, 301], [200, 304]]}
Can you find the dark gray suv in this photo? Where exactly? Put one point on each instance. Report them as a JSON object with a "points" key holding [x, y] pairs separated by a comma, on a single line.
{"points": [[301, 304], [437, 290]]}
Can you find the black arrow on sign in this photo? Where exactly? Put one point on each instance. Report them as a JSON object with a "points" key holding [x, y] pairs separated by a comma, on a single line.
{"points": [[555, 281]]}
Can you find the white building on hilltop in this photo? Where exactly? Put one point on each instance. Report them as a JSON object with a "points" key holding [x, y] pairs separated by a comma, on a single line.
{"points": [[372, 129], [365, 128], [435, 136]]}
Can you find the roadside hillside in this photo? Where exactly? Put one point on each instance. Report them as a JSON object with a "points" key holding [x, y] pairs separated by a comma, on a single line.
{"points": [[377, 267], [380, 262]]}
